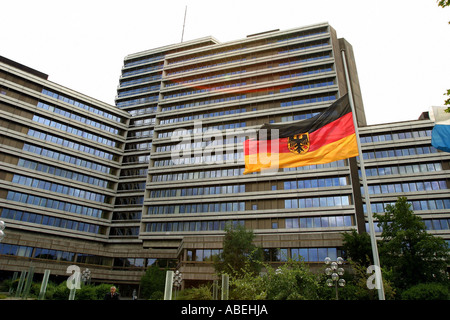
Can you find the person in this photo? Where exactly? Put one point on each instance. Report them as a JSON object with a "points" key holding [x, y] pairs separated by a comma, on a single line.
{"points": [[112, 295]]}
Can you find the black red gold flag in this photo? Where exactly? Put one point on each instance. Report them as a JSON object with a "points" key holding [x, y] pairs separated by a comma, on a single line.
{"points": [[326, 137]]}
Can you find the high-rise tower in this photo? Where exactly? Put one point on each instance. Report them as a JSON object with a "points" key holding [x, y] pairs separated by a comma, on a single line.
{"points": [[192, 106]]}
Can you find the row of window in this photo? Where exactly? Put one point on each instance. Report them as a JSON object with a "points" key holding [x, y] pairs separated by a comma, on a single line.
{"points": [[66, 158], [179, 226], [396, 136], [334, 164], [59, 188], [53, 204], [144, 110], [129, 200], [203, 90], [184, 132], [309, 71], [142, 70], [399, 152], [204, 159], [319, 222], [136, 159], [143, 122], [205, 174], [132, 172], [309, 100], [316, 183], [202, 254], [137, 101], [406, 187], [197, 208], [214, 76], [138, 146], [197, 191], [124, 231], [305, 47], [148, 133], [207, 66], [430, 224], [73, 130], [308, 59], [314, 202], [211, 54], [302, 35], [202, 116], [68, 174], [126, 215], [138, 90], [296, 117], [142, 61], [49, 221], [81, 105], [77, 117], [131, 186], [308, 86], [404, 169], [59, 255], [416, 205], [308, 254], [274, 255], [437, 224], [204, 102], [140, 80], [201, 144], [70, 144]]}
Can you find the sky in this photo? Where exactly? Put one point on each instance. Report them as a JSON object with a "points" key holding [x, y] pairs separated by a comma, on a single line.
{"points": [[401, 48]]}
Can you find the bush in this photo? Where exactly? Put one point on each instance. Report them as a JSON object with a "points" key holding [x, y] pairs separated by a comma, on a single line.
{"points": [[200, 293], [427, 291]]}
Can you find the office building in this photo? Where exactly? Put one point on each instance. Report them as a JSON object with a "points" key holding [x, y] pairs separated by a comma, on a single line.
{"points": [[156, 178]]}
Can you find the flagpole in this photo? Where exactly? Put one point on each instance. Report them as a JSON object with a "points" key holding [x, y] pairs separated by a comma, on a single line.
{"points": [[373, 240]]}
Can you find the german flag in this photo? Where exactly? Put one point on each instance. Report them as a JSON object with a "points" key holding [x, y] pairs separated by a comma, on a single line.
{"points": [[326, 137]]}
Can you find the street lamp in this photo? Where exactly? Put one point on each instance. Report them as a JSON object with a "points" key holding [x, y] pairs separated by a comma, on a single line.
{"points": [[177, 278], [335, 270], [2, 227]]}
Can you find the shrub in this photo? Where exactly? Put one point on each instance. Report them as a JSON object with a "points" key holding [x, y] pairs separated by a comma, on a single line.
{"points": [[427, 291], [201, 293]]}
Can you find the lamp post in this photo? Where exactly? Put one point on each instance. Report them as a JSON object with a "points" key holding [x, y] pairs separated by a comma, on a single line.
{"points": [[177, 278], [2, 227], [335, 270]]}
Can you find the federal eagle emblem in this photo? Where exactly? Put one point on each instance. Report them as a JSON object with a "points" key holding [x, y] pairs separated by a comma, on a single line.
{"points": [[299, 143]]}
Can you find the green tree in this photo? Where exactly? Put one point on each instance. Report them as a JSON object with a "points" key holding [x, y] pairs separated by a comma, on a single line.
{"points": [[238, 248], [292, 281], [152, 282], [358, 247], [413, 255]]}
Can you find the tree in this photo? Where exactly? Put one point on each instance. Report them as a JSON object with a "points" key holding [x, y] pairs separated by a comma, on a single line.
{"points": [[152, 282], [238, 248], [358, 247], [292, 280], [413, 255]]}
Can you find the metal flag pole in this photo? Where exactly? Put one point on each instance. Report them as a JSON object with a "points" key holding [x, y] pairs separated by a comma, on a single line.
{"points": [[373, 240], [184, 23]]}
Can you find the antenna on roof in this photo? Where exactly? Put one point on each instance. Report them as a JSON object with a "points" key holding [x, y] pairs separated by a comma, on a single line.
{"points": [[184, 22]]}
